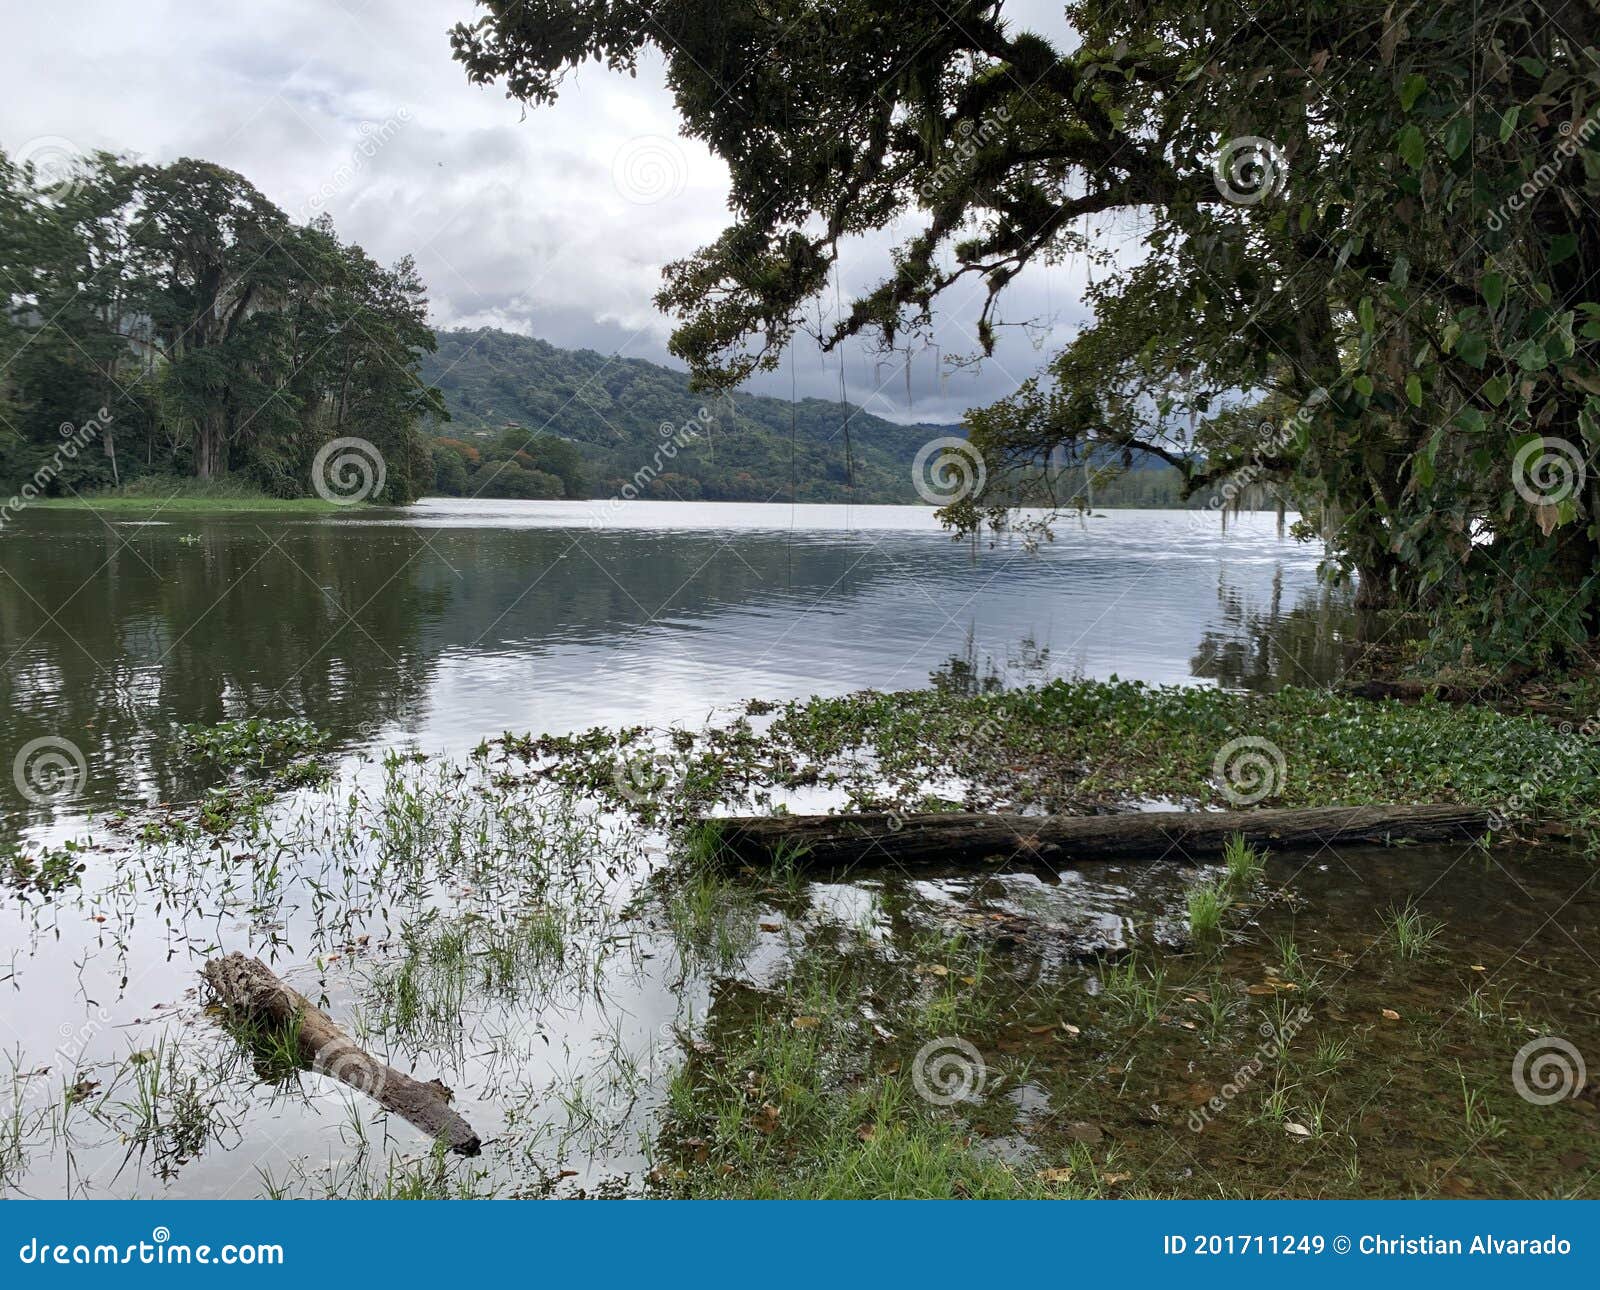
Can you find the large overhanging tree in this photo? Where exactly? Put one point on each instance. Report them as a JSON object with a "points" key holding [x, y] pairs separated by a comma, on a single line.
{"points": [[1371, 235]]}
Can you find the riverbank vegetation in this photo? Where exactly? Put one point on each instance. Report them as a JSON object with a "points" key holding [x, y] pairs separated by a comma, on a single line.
{"points": [[619, 1011]]}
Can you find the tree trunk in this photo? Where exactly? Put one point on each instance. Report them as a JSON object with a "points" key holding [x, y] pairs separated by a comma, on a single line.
{"points": [[941, 838], [250, 990]]}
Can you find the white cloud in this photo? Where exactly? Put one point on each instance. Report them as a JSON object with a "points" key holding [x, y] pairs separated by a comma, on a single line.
{"points": [[555, 223]]}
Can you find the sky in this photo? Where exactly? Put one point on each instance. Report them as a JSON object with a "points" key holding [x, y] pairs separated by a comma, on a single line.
{"points": [[552, 222]]}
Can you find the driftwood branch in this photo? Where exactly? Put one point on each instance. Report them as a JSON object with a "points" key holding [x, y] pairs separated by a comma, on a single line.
{"points": [[252, 992], [937, 838]]}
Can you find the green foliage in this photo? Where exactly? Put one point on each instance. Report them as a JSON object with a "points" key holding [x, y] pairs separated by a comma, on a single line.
{"points": [[171, 320], [607, 426], [1367, 272]]}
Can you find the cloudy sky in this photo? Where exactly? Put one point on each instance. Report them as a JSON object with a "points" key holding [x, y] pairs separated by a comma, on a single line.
{"points": [[555, 223]]}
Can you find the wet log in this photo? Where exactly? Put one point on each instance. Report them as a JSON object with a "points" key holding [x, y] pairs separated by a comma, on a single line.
{"points": [[253, 993], [942, 838]]}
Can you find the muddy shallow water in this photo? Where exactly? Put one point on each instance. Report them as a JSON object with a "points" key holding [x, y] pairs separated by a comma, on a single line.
{"points": [[564, 971]]}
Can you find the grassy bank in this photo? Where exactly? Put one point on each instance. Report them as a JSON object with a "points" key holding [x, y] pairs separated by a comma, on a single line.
{"points": [[186, 497]]}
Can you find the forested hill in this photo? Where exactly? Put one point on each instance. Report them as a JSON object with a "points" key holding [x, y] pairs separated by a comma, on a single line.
{"points": [[503, 390]]}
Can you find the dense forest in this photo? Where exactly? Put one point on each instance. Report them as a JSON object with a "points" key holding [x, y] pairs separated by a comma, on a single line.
{"points": [[615, 415], [172, 321]]}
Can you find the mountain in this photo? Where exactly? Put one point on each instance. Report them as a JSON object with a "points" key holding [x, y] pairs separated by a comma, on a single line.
{"points": [[596, 422]]}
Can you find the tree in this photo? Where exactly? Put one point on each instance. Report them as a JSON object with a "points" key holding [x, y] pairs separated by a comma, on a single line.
{"points": [[1368, 224]]}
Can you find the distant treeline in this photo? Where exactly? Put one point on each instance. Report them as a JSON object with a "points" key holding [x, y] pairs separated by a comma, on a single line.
{"points": [[222, 339]]}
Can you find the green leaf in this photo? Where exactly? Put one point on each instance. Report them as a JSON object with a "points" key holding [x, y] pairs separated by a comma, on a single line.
{"points": [[1411, 90], [1410, 144], [1494, 289], [1472, 349], [1495, 390], [1364, 312], [1458, 136], [1563, 247], [1363, 386], [1414, 390], [1532, 358], [1470, 419], [1508, 122]]}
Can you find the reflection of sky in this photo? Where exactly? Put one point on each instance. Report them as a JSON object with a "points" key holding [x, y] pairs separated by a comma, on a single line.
{"points": [[1131, 595]]}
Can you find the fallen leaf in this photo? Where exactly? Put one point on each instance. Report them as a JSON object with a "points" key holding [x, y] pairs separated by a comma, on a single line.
{"points": [[1055, 1177], [1478, 967], [866, 1132], [933, 969], [1111, 1180], [1389, 1014], [806, 1023], [1040, 1030], [766, 1119], [1083, 1131], [1296, 1130], [1070, 1028], [772, 927]]}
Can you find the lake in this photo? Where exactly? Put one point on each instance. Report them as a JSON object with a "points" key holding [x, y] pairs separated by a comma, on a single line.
{"points": [[453, 620], [599, 1006]]}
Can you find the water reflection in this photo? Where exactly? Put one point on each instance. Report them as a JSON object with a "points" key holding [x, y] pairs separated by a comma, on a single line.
{"points": [[442, 624]]}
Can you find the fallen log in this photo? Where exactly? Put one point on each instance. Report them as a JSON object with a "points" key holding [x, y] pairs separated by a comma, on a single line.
{"points": [[830, 840], [254, 994]]}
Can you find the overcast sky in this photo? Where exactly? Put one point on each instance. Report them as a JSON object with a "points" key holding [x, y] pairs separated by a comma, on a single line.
{"points": [[554, 224]]}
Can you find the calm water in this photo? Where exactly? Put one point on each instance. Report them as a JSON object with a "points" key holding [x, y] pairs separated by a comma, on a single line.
{"points": [[454, 620], [434, 628]]}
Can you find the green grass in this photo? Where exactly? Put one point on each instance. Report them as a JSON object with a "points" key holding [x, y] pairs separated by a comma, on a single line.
{"points": [[1207, 904], [1408, 932], [185, 497]]}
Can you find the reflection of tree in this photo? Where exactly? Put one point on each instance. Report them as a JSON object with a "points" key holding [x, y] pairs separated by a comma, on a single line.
{"points": [[1265, 648], [111, 643]]}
